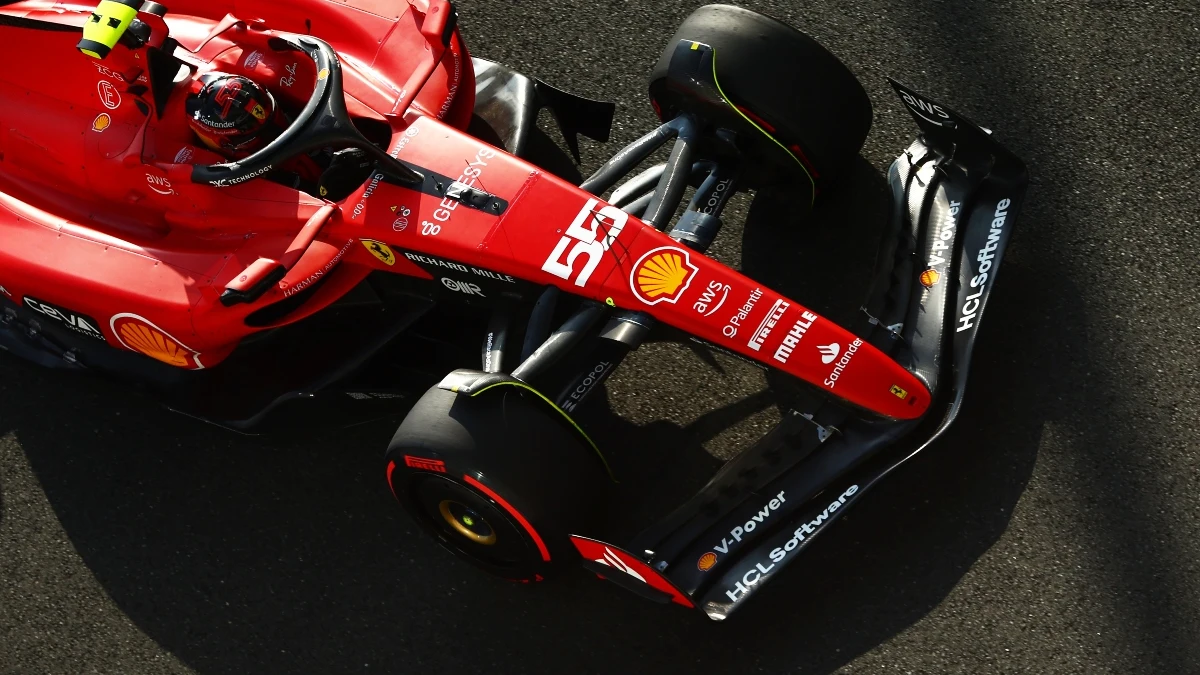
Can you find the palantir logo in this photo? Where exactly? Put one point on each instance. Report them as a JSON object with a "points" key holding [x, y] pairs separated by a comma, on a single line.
{"points": [[829, 352]]}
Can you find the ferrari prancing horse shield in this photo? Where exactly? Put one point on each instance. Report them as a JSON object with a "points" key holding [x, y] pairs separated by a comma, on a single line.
{"points": [[380, 250]]}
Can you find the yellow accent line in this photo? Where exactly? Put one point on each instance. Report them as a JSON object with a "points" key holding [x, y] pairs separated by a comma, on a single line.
{"points": [[562, 412], [767, 133], [695, 46]]}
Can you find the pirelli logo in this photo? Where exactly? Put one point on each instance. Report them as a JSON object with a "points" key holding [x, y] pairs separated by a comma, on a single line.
{"points": [[768, 323], [425, 464]]}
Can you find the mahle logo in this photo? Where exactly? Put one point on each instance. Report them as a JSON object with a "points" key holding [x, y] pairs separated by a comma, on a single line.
{"points": [[662, 275]]}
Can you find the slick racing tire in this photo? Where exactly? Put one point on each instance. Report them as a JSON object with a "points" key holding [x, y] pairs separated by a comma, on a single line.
{"points": [[790, 96], [499, 479]]}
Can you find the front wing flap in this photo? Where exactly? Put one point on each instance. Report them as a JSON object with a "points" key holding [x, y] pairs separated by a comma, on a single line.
{"points": [[956, 193]]}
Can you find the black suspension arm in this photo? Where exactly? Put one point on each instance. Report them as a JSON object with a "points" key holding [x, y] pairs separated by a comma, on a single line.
{"points": [[674, 181], [561, 341]]}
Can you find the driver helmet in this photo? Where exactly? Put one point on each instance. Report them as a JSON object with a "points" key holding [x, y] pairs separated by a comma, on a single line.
{"points": [[230, 113]]}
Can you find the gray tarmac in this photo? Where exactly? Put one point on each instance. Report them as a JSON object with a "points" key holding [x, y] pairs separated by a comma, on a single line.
{"points": [[1055, 529]]}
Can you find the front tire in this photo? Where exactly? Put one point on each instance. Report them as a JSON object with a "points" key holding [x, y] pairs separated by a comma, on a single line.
{"points": [[498, 479], [781, 83]]}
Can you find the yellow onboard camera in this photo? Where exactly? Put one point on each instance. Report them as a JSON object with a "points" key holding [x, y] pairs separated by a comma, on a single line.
{"points": [[106, 25]]}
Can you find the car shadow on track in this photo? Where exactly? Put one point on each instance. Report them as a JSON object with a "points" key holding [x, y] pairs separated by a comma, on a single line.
{"points": [[286, 554]]}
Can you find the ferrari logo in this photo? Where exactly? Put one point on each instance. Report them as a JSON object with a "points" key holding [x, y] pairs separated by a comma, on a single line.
{"points": [[380, 250], [662, 275], [258, 112], [898, 392]]}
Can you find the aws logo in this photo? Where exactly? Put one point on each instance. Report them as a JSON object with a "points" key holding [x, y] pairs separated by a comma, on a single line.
{"points": [[925, 110], [662, 275]]}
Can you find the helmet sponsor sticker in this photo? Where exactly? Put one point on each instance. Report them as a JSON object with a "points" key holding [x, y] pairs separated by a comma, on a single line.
{"points": [[140, 335]]}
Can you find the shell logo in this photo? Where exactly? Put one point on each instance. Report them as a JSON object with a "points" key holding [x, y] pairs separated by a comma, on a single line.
{"points": [[706, 561], [929, 278], [662, 275], [103, 121], [139, 335]]}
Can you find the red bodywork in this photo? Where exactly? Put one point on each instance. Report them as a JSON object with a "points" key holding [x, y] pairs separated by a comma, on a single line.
{"points": [[98, 214]]}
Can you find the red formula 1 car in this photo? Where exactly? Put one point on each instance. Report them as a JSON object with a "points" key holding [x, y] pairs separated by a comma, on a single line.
{"points": [[228, 287]]}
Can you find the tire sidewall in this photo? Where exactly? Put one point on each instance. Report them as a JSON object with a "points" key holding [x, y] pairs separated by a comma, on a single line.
{"points": [[506, 442]]}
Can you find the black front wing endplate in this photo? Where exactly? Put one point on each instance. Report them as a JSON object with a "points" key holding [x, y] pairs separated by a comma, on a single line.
{"points": [[956, 193]]}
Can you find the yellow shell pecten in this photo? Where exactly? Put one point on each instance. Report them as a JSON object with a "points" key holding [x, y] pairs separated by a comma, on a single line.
{"points": [[662, 274], [154, 344]]}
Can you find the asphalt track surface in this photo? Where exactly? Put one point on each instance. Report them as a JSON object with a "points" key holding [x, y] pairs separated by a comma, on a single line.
{"points": [[1056, 529]]}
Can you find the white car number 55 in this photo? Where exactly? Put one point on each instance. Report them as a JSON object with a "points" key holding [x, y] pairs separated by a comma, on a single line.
{"points": [[607, 223]]}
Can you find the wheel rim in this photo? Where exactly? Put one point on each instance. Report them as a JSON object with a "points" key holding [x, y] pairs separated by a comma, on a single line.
{"points": [[491, 537], [467, 522]]}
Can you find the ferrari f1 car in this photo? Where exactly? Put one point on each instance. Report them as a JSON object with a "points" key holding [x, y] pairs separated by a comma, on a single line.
{"points": [[448, 262]]}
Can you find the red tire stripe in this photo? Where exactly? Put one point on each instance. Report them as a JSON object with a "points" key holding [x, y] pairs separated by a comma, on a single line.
{"points": [[537, 539], [761, 122], [391, 468]]}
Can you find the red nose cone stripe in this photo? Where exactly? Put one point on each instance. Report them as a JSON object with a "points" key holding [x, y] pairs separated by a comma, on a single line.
{"points": [[537, 539]]}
